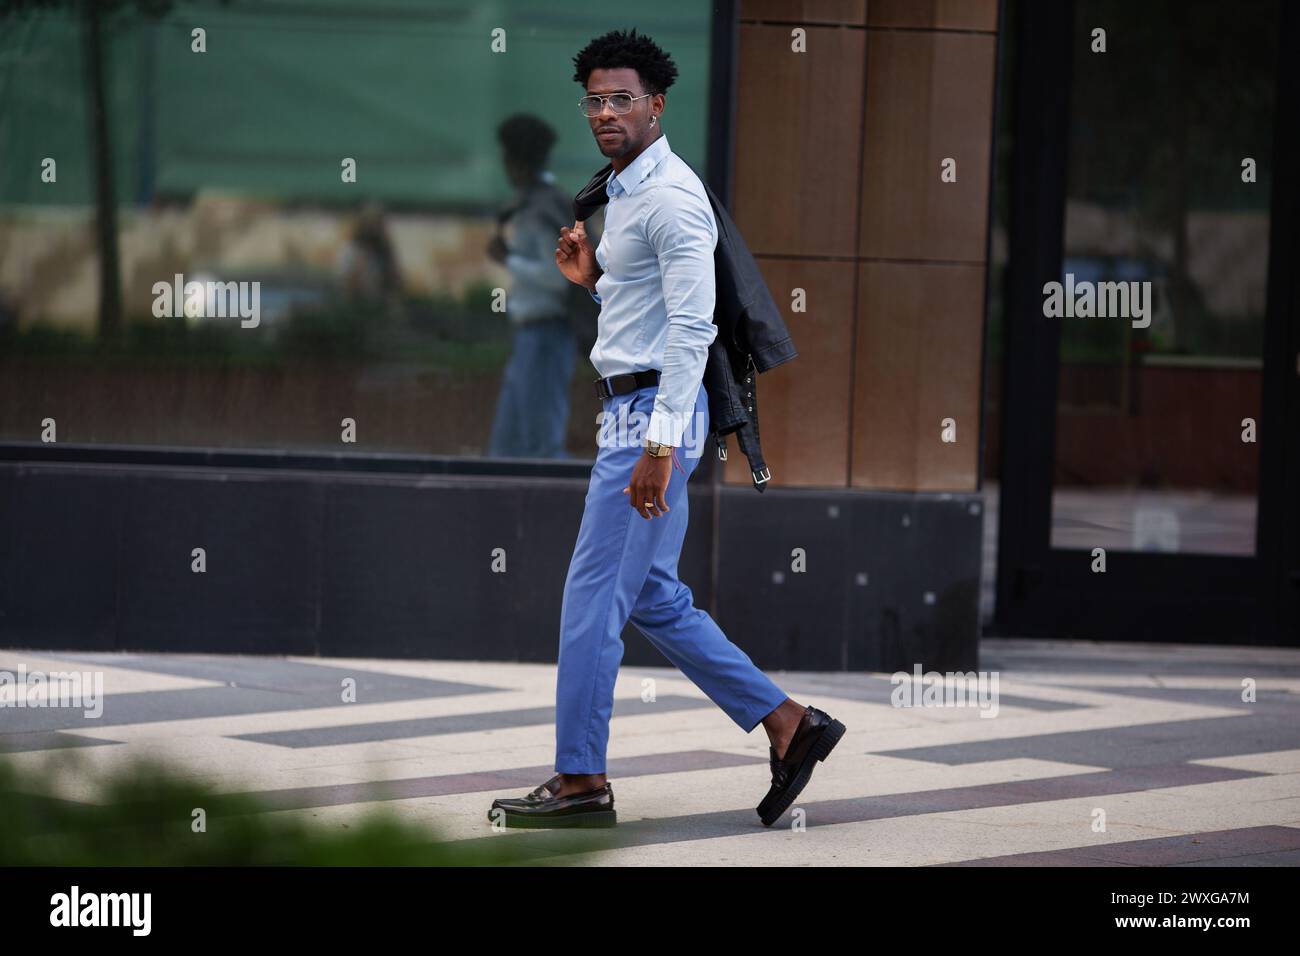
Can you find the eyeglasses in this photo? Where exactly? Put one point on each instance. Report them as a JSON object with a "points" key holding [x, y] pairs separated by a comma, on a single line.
{"points": [[618, 102]]}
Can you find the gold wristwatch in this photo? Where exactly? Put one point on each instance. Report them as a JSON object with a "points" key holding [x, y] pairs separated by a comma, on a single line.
{"points": [[656, 450]]}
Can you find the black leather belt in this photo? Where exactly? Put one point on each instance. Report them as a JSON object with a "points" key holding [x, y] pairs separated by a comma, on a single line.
{"points": [[627, 382]]}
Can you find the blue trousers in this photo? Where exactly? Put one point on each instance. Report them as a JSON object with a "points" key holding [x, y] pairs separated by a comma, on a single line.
{"points": [[532, 413], [624, 567]]}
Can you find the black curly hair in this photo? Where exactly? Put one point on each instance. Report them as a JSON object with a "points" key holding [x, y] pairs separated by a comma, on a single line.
{"points": [[618, 49], [527, 139]]}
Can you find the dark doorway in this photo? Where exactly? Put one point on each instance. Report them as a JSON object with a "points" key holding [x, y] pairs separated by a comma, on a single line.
{"points": [[1150, 420]]}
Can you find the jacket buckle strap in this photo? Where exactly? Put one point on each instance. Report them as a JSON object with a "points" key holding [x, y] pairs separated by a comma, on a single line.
{"points": [[762, 475], [722, 448]]}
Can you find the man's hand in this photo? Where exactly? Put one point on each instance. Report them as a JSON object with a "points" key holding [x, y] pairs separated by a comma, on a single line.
{"points": [[576, 258], [649, 484]]}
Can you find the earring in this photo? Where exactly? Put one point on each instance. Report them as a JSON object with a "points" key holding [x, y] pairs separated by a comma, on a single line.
{"points": [[652, 121]]}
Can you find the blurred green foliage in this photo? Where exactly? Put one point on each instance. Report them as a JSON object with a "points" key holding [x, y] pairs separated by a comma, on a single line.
{"points": [[461, 335], [143, 814]]}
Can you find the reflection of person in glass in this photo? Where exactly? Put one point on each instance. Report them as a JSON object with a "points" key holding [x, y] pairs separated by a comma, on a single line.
{"points": [[533, 406], [653, 274], [366, 265]]}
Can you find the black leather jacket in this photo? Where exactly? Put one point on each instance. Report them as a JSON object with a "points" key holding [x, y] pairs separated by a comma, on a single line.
{"points": [[752, 336]]}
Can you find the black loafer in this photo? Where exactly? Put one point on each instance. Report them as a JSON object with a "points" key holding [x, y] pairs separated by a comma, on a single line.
{"points": [[541, 808], [814, 738]]}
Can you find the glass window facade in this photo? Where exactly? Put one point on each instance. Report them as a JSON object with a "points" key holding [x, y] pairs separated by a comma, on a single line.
{"points": [[331, 231], [1167, 205]]}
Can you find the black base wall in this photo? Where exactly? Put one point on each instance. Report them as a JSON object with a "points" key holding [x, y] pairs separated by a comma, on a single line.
{"points": [[98, 557]]}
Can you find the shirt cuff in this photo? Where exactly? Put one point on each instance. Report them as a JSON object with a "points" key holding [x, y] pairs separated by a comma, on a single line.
{"points": [[666, 428], [593, 294]]}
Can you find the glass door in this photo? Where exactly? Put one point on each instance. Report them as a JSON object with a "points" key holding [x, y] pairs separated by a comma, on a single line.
{"points": [[1150, 390], [1164, 276]]}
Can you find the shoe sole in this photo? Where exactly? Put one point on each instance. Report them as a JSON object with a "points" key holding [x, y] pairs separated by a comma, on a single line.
{"points": [[770, 813], [596, 819]]}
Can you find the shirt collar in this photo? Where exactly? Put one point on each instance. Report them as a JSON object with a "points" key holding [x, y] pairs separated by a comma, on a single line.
{"points": [[543, 176], [639, 169]]}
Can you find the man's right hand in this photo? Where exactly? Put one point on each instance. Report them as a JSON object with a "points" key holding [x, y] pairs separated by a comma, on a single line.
{"points": [[575, 257]]}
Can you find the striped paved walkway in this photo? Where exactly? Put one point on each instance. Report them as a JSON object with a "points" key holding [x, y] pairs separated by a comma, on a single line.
{"points": [[1154, 740]]}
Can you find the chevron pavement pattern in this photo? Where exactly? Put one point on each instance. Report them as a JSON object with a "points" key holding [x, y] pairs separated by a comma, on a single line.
{"points": [[1155, 739]]}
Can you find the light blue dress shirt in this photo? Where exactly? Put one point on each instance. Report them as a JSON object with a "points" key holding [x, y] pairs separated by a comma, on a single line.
{"points": [[657, 293], [537, 289]]}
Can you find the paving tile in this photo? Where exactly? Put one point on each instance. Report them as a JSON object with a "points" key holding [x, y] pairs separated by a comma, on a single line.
{"points": [[1189, 775]]}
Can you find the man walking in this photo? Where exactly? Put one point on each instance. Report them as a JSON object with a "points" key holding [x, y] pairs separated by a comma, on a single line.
{"points": [[653, 274]]}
